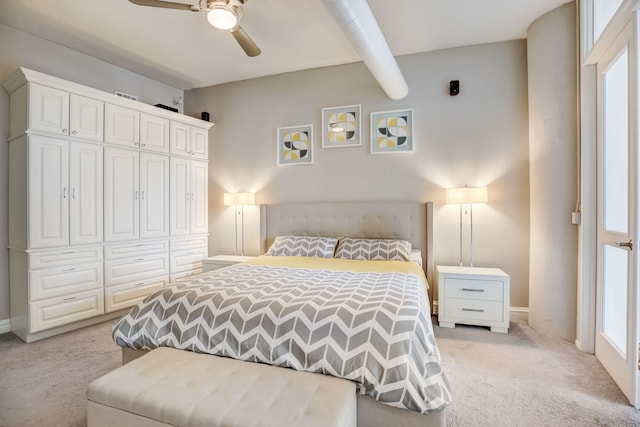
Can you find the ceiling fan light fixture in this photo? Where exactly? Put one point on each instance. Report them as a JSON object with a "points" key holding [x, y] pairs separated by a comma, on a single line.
{"points": [[223, 16]]}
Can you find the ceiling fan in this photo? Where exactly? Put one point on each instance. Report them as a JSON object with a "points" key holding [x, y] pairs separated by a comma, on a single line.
{"points": [[223, 14]]}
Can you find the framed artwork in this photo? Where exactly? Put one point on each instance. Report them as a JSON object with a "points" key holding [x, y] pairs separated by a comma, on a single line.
{"points": [[392, 131], [341, 126], [295, 145]]}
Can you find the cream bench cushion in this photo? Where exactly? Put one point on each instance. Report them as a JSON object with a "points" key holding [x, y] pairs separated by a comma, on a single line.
{"points": [[181, 388]]}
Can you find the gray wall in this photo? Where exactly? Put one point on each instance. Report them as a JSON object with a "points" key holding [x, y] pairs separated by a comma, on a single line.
{"points": [[17, 49], [553, 165], [479, 137]]}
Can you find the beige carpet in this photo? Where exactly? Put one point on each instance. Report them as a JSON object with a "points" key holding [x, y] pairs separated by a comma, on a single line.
{"points": [[519, 379]]}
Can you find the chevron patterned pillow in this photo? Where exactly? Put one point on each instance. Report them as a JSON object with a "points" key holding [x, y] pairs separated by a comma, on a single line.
{"points": [[374, 249], [321, 247]]}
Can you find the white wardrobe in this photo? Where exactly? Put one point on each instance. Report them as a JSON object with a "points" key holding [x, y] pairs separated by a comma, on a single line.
{"points": [[107, 202]]}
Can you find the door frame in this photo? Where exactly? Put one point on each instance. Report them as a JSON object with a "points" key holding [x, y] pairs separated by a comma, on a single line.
{"points": [[590, 53]]}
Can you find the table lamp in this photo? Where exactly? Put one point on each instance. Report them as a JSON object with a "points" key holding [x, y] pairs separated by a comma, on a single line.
{"points": [[239, 200], [462, 196]]}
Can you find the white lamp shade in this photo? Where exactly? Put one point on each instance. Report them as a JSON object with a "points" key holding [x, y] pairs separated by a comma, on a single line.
{"points": [[239, 199], [467, 195], [222, 18]]}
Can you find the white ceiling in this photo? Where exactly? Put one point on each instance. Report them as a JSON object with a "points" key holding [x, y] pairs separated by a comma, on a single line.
{"points": [[181, 49]]}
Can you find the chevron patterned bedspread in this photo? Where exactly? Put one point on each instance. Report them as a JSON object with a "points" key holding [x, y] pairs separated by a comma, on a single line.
{"points": [[373, 328]]}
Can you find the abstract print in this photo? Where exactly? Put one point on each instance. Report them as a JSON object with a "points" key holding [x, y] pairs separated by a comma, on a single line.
{"points": [[391, 131], [295, 145], [341, 126]]}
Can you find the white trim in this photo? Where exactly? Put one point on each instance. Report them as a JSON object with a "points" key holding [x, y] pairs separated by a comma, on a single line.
{"points": [[5, 326], [586, 286], [519, 313], [610, 33]]}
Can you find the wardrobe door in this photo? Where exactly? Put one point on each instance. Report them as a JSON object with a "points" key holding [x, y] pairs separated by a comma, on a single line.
{"points": [[180, 197], [180, 138], [154, 195], [48, 192], [199, 143], [199, 197], [48, 109], [121, 126], [86, 193], [121, 194], [86, 118], [154, 133]]}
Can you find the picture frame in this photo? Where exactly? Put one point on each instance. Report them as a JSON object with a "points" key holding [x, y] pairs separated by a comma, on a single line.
{"points": [[392, 131], [295, 145], [341, 126]]}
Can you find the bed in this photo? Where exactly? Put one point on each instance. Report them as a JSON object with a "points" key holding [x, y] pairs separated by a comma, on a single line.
{"points": [[367, 321]]}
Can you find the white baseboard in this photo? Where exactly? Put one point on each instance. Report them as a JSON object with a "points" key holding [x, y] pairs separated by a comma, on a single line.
{"points": [[515, 313], [5, 326], [519, 313]]}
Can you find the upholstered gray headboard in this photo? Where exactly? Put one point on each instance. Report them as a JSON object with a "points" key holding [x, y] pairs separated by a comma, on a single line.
{"points": [[402, 220]]}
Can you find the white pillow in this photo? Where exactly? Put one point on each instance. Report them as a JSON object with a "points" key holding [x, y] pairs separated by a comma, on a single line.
{"points": [[321, 247], [374, 249]]}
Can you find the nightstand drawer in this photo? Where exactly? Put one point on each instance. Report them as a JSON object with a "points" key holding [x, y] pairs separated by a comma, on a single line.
{"points": [[489, 290], [469, 309]]}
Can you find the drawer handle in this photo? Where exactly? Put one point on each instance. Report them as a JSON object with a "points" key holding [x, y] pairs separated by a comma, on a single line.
{"points": [[68, 269], [138, 284], [68, 252], [69, 299], [140, 259], [472, 290], [140, 244], [475, 310]]}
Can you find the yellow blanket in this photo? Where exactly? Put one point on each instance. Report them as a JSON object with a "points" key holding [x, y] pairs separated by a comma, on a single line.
{"points": [[337, 264]]}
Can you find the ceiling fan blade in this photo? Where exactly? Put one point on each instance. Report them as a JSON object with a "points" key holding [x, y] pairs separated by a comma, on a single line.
{"points": [[166, 5], [245, 42]]}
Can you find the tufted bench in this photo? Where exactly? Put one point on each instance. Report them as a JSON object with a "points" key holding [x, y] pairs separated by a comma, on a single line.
{"points": [[169, 387]]}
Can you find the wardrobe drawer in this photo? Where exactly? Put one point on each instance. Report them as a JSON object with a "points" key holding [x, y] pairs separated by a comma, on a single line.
{"points": [[125, 296], [133, 270], [187, 260], [189, 243], [491, 290], [135, 249], [61, 257], [59, 311], [53, 282]]}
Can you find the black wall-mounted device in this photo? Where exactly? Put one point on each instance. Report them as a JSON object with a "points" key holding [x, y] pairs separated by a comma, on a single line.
{"points": [[204, 116], [454, 87]]}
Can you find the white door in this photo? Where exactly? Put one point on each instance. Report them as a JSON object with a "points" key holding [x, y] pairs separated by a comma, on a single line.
{"points": [[48, 109], [48, 192], [154, 195], [616, 300], [199, 197], [86, 191], [121, 194], [180, 138], [86, 118], [199, 143], [121, 125], [154, 133], [180, 196]]}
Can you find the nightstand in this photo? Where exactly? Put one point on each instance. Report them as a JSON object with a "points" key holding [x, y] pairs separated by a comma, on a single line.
{"points": [[219, 261], [473, 296]]}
